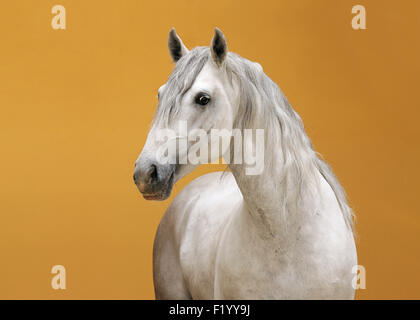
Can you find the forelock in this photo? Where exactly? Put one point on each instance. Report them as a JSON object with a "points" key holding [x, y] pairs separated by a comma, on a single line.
{"points": [[180, 81]]}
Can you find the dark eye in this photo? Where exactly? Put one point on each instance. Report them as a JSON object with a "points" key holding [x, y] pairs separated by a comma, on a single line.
{"points": [[202, 99]]}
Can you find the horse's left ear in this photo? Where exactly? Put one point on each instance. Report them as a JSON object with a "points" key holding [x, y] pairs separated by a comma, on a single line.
{"points": [[176, 48], [218, 47]]}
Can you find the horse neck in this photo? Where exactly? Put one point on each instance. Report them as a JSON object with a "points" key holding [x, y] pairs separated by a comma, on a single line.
{"points": [[278, 198]]}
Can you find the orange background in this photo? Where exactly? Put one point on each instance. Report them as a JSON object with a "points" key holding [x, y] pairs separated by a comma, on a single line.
{"points": [[76, 106]]}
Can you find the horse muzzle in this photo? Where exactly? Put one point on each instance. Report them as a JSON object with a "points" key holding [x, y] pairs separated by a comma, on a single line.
{"points": [[154, 181]]}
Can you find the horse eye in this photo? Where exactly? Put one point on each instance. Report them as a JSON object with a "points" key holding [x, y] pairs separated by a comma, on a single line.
{"points": [[202, 99]]}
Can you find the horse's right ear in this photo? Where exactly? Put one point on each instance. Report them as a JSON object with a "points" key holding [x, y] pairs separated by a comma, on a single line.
{"points": [[176, 48], [218, 47]]}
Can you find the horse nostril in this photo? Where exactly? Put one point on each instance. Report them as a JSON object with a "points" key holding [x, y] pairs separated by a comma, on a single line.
{"points": [[152, 173], [145, 178]]}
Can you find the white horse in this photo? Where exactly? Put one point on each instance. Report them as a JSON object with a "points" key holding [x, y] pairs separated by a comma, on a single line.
{"points": [[286, 233]]}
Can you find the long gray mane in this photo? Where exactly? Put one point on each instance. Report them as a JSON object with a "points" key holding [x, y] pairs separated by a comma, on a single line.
{"points": [[260, 98]]}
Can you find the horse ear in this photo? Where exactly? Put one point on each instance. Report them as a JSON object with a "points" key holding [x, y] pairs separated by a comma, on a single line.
{"points": [[218, 47], [175, 46]]}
